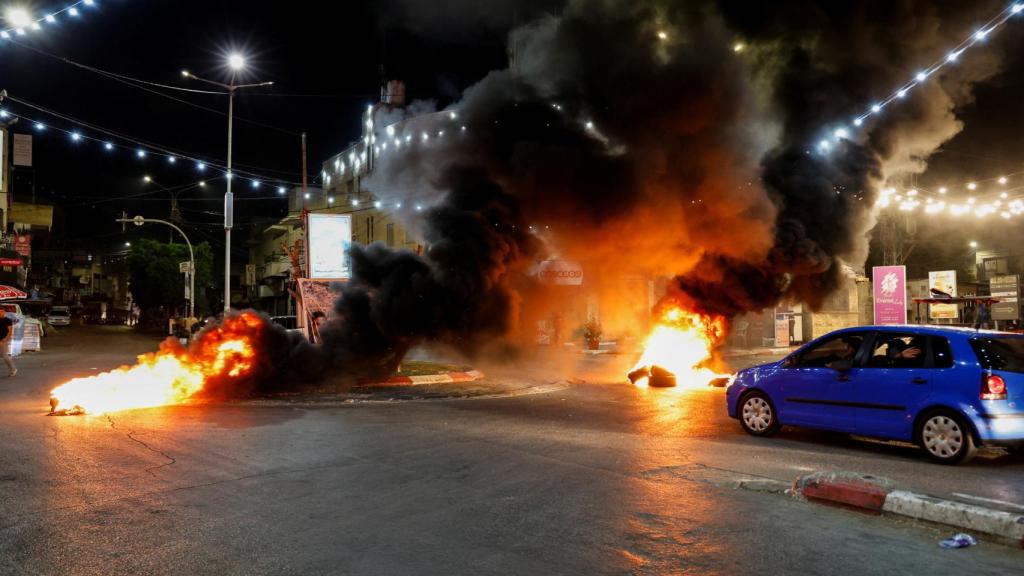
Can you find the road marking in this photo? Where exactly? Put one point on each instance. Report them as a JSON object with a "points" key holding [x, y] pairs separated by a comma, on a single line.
{"points": [[989, 500]]}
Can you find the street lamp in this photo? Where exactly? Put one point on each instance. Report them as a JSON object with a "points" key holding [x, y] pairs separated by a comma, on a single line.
{"points": [[18, 17], [973, 244], [236, 62]]}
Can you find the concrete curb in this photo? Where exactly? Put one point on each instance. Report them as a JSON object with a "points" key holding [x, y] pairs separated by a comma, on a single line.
{"points": [[444, 378], [879, 495]]}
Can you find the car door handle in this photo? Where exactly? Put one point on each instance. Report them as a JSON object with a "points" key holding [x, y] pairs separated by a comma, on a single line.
{"points": [[920, 380]]}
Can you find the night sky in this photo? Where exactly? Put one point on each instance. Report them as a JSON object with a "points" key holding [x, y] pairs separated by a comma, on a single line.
{"points": [[327, 61]]}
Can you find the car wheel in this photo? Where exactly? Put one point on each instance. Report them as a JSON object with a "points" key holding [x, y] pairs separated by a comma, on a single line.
{"points": [[946, 437], [757, 415]]}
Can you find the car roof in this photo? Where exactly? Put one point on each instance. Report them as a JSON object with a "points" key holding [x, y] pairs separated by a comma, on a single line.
{"points": [[927, 329]]}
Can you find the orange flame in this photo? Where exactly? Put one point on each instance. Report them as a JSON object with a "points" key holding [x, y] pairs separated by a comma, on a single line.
{"points": [[681, 343], [172, 375]]}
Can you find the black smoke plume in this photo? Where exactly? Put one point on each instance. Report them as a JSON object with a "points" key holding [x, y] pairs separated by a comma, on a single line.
{"points": [[457, 293], [654, 138]]}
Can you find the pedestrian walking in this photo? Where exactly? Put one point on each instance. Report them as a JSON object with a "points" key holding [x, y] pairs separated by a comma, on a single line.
{"points": [[7, 332]]}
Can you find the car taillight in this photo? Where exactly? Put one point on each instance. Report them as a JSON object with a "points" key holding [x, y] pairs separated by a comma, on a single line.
{"points": [[993, 387]]}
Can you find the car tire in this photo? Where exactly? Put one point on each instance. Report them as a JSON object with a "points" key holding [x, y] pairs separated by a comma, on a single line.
{"points": [[946, 437], [757, 414]]}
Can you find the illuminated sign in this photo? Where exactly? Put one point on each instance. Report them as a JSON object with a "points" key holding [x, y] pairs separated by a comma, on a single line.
{"points": [[329, 236]]}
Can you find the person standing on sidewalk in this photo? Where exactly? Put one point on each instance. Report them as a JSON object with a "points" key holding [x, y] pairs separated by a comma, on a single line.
{"points": [[6, 335]]}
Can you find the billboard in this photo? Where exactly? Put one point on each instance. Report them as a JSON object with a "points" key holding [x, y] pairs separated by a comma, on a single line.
{"points": [[1006, 290], [562, 272], [890, 292], [329, 237], [944, 281]]}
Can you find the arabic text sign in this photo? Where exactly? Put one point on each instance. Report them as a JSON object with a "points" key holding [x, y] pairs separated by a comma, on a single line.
{"points": [[1006, 289], [22, 150], [890, 291]]}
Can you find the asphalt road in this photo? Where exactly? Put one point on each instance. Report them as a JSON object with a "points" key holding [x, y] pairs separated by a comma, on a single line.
{"points": [[597, 478]]}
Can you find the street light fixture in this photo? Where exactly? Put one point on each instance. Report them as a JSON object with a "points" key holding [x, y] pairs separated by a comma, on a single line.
{"points": [[18, 17], [236, 62], [139, 221], [973, 244]]}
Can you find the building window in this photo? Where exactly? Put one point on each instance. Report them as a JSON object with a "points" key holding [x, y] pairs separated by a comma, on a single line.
{"points": [[391, 235]]}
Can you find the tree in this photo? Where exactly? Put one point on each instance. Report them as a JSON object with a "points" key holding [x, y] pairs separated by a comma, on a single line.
{"points": [[155, 276]]}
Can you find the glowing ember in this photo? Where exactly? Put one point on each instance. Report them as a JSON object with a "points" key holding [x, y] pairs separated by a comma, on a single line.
{"points": [[172, 375], [681, 344]]}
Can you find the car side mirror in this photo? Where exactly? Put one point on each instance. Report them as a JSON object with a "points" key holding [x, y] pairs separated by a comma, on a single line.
{"points": [[789, 362]]}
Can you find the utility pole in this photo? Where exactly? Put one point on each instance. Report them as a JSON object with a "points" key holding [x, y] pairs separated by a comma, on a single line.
{"points": [[236, 62]]}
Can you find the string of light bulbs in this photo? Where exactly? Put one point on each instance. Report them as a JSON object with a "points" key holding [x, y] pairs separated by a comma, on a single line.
{"points": [[978, 36], [142, 150], [20, 21], [1000, 203]]}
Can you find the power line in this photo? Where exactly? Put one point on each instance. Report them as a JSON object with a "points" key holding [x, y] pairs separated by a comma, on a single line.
{"points": [[135, 83]]}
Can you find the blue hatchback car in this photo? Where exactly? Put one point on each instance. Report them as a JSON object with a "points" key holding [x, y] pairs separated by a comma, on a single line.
{"points": [[949, 390]]}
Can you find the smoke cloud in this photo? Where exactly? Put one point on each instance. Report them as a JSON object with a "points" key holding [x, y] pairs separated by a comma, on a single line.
{"points": [[634, 137]]}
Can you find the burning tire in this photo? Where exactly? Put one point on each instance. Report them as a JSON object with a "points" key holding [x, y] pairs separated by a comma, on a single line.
{"points": [[757, 414]]}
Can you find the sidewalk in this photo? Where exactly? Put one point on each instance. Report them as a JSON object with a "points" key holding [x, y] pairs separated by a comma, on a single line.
{"points": [[1003, 521]]}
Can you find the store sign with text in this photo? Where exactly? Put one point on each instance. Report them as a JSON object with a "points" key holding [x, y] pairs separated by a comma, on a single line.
{"points": [[560, 272], [1006, 289]]}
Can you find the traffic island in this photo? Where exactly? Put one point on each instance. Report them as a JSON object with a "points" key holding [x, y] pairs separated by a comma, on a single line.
{"points": [[882, 496], [418, 381]]}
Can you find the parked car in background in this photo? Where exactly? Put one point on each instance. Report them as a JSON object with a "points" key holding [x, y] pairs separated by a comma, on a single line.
{"points": [[949, 390], [59, 316]]}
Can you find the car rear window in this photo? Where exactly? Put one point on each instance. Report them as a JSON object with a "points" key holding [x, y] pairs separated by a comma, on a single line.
{"points": [[1000, 353]]}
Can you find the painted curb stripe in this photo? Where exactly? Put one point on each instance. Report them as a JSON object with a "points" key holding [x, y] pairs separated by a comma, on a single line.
{"points": [[863, 496], [875, 498]]}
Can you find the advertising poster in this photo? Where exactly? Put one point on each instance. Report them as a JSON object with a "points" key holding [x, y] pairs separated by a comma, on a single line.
{"points": [[890, 292], [943, 281], [1006, 290], [330, 236]]}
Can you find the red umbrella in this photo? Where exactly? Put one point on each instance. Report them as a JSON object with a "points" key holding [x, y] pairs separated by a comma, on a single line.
{"points": [[11, 293]]}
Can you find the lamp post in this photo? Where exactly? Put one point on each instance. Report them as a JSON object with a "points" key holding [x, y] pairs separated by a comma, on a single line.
{"points": [[236, 62], [139, 221]]}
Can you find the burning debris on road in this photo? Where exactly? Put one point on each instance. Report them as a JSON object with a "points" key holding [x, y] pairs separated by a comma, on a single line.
{"points": [[225, 360], [680, 349]]}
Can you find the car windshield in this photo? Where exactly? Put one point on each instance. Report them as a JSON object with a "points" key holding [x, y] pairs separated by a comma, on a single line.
{"points": [[1000, 353]]}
